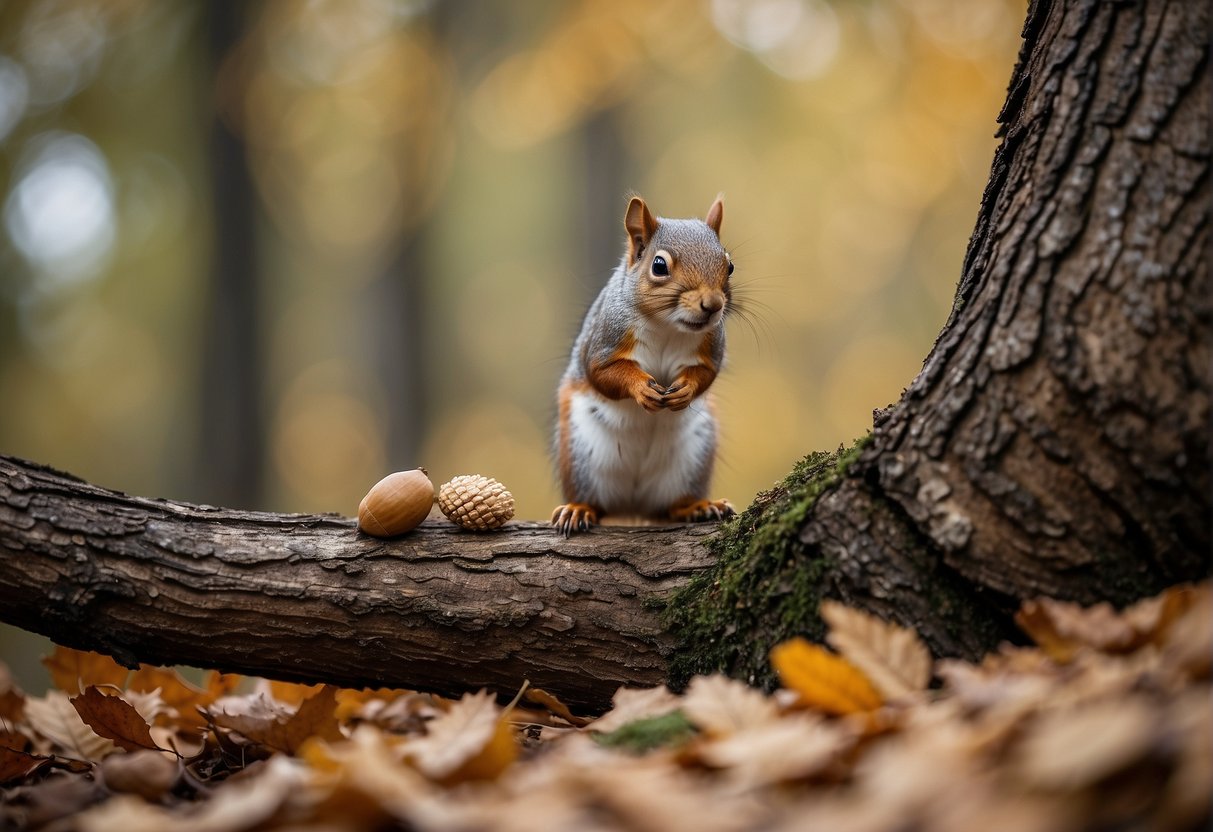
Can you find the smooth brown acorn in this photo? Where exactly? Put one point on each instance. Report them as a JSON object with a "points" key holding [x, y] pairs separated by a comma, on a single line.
{"points": [[396, 504]]}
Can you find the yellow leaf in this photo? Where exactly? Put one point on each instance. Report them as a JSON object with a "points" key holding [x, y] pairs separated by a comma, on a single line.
{"points": [[74, 670], [893, 658], [471, 741], [824, 681]]}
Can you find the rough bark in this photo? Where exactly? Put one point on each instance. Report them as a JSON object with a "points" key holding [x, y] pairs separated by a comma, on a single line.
{"points": [[308, 597], [1056, 442], [1057, 439]]}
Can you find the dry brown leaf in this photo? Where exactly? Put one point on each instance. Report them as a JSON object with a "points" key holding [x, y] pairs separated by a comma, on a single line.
{"points": [[176, 693], [242, 803], [74, 670], [367, 766], [631, 704], [17, 765], [471, 741], [893, 658], [12, 699], [823, 680], [1071, 748], [114, 718], [1062, 628], [148, 774], [53, 717], [1187, 644], [263, 722], [795, 747], [720, 707], [541, 697]]}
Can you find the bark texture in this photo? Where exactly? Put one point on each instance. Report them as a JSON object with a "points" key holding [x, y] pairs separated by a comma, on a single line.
{"points": [[1057, 439], [307, 597]]}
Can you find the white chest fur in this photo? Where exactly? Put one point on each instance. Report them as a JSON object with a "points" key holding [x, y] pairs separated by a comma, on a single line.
{"points": [[663, 352], [631, 461]]}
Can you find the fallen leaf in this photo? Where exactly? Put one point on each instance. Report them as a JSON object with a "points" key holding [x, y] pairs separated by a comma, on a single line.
{"points": [[148, 774], [292, 693], [261, 721], [893, 658], [114, 718], [719, 706], [1071, 748], [74, 670], [471, 741], [221, 684], [1188, 642], [823, 680], [1062, 628], [175, 692], [368, 768], [541, 697], [641, 736], [795, 747], [54, 717], [630, 704], [17, 765]]}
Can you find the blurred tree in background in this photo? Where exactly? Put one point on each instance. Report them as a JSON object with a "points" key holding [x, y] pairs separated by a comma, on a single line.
{"points": [[261, 253]]}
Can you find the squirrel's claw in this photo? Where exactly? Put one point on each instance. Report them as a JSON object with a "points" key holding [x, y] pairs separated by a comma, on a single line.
{"points": [[573, 517], [701, 511]]}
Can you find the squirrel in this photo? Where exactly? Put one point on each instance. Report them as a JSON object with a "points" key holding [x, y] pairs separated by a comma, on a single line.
{"points": [[636, 432]]}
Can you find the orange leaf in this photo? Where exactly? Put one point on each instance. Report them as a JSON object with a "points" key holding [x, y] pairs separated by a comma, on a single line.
{"points": [[893, 658], [824, 681], [541, 697], [270, 726], [471, 741], [74, 670], [292, 693], [115, 719], [221, 684], [174, 691]]}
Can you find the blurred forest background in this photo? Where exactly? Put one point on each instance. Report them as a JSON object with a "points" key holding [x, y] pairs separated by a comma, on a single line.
{"points": [[262, 253]]}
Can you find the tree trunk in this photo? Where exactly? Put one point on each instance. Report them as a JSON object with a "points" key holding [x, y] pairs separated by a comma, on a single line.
{"points": [[1056, 442], [1057, 439]]}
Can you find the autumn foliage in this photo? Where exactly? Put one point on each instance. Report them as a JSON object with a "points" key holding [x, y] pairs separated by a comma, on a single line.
{"points": [[1105, 724]]}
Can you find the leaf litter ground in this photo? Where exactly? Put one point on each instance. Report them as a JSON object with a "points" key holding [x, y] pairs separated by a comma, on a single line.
{"points": [[1106, 724]]}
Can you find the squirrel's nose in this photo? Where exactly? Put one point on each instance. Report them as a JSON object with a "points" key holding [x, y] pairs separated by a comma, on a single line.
{"points": [[711, 305]]}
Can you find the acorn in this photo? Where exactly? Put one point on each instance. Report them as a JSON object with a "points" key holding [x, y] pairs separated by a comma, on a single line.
{"points": [[476, 503], [396, 504]]}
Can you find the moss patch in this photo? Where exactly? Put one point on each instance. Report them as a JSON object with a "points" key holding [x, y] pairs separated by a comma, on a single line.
{"points": [[766, 585], [644, 735]]}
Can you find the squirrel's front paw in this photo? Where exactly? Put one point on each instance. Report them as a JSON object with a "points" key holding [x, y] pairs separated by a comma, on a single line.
{"points": [[680, 396], [650, 395], [699, 511], [574, 517]]}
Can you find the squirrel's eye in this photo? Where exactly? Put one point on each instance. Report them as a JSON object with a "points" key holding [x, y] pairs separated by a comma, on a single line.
{"points": [[660, 267], [730, 267]]}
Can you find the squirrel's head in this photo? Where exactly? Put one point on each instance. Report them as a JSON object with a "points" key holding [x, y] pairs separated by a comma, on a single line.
{"points": [[680, 267]]}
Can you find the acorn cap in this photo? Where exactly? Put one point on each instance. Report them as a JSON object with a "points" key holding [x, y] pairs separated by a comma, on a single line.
{"points": [[475, 502]]}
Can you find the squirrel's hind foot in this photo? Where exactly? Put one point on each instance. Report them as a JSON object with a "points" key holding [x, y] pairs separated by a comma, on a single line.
{"points": [[700, 511], [574, 517]]}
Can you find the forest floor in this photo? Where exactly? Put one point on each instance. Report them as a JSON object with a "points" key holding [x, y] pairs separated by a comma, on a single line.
{"points": [[1105, 724]]}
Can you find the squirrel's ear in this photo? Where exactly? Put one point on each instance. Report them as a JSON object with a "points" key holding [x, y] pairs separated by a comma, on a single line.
{"points": [[640, 225], [715, 215]]}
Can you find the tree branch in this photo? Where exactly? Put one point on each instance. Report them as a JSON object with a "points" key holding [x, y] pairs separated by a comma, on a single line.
{"points": [[309, 598]]}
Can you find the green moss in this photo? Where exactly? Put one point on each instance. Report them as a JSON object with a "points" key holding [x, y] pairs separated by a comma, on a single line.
{"points": [[644, 735], [766, 584]]}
